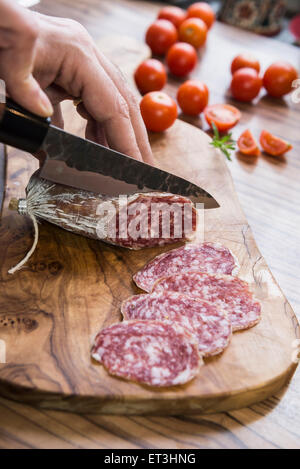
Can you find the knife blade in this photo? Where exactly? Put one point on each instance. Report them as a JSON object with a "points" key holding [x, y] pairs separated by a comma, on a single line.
{"points": [[80, 163]]}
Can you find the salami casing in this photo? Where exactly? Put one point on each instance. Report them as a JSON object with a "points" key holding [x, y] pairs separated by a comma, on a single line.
{"points": [[202, 257], [206, 321], [135, 221], [230, 293], [154, 353]]}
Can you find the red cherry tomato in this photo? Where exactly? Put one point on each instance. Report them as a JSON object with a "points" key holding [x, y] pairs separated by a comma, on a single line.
{"points": [[181, 59], [160, 36], [193, 31], [192, 97], [203, 11], [174, 14], [159, 111], [247, 144], [278, 79], [243, 61], [150, 76], [272, 145], [224, 116], [245, 84]]}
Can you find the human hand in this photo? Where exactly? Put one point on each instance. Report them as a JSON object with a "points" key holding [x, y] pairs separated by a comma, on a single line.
{"points": [[45, 60]]}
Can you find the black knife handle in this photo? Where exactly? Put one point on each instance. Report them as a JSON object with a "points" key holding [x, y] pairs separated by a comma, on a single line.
{"points": [[20, 128]]}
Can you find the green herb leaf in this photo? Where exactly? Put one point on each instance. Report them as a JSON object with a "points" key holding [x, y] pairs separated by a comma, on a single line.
{"points": [[225, 144], [216, 131]]}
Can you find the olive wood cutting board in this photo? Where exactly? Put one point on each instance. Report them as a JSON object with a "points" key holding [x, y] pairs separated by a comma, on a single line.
{"points": [[72, 287]]}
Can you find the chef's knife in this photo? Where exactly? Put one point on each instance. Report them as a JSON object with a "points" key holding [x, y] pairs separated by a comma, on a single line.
{"points": [[83, 164]]}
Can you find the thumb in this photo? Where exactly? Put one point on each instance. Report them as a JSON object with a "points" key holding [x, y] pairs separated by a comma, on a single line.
{"points": [[28, 94]]}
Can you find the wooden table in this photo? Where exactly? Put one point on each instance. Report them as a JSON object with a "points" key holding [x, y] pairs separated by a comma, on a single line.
{"points": [[268, 190]]}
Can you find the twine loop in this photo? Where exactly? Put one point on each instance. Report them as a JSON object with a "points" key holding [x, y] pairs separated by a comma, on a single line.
{"points": [[22, 208]]}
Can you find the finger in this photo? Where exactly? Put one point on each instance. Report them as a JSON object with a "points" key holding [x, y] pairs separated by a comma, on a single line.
{"points": [[18, 38], [82, 111], [56, 94], [105, 104], [95, 132], [135, 115], [57, 117], [91, 131]]}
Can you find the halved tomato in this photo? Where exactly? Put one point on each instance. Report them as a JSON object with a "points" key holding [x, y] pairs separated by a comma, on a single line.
{"points": [[273, 145], [247, 144], [224, 116]]}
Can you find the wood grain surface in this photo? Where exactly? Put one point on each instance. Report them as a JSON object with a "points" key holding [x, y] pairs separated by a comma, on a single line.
{"points": [[59, 322], [273, 423], [72, 287]]}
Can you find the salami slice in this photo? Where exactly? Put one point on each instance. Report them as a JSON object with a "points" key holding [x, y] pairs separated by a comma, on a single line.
{"points": [[205, 257], [206, 321], [155, 353], [230, 293], [134, 221]]}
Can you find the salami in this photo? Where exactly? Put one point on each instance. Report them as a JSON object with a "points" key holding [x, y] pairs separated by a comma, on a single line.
{"points": [[230, 293], [206, 321], [134, 221], [154, 353], [203, 257]]}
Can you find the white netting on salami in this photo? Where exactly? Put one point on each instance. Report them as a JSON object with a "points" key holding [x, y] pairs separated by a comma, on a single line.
{"points": [[206, 321], [230, 293], [154, 353], [205, 257]]}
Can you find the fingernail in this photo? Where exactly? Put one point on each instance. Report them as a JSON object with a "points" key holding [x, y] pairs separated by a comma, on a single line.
{"points": [[45, 105]]}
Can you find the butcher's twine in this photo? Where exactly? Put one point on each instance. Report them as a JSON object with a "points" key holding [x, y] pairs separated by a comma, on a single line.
{"points": [[21, 207]]}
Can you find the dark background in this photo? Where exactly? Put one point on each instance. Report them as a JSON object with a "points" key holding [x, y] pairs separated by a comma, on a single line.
{"points": [[292, 9]]}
